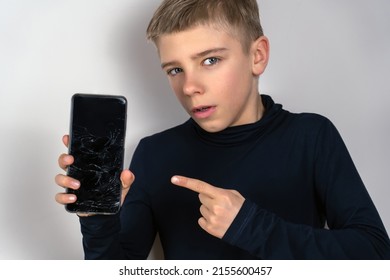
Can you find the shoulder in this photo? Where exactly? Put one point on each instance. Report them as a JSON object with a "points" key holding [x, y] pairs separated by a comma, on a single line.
{"points": [[169, 134], [158, 147], [310, 127], [309, 120], [297, 121], [311, 123], [164, 150], [167, 139]]}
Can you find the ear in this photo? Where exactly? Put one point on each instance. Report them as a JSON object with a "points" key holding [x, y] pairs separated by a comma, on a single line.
{"points": [[260, 55]]}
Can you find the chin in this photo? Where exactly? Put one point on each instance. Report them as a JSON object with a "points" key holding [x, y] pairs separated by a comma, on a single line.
{"points": [[211, 128]]}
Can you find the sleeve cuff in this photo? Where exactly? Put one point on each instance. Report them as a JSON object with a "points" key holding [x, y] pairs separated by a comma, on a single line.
{"points": [[243, 217]]}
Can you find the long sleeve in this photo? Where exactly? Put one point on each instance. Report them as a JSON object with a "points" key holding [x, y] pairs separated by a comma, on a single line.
{"points": [[100, 237], [355, 228], [267, 236]]}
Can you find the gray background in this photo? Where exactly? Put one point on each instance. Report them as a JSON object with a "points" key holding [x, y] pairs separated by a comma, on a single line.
{"points": [[328, 57]]}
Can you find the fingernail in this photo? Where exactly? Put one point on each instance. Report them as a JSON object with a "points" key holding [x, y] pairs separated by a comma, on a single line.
{"points": [[175, 179], [75, 184], [72, 198]]}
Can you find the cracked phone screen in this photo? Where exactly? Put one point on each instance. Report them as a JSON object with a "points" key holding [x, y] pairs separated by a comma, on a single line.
{"points": [[97, 137]]}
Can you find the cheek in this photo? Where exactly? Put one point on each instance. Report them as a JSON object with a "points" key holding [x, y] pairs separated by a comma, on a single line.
{"points": [[177, 89], [235, 82]]}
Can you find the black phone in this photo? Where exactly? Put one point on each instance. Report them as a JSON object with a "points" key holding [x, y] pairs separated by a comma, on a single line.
{"points": [[97, 143]]}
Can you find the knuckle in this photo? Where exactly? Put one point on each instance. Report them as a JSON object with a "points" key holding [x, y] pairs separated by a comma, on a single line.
{"points": [[59, 179], [62, 162], [59, 197], [218, 211], [197, 185], [62, 157], [203, 210]]}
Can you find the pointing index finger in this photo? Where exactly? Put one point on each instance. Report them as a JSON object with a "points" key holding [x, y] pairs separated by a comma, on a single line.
{"points": [[195, 185]]}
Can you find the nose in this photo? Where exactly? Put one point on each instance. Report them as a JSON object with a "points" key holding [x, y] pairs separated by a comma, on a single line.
{"points": [[192, 84]]}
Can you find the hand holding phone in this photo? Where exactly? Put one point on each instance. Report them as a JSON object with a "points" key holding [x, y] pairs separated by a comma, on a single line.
{"points": [[127, 178]]}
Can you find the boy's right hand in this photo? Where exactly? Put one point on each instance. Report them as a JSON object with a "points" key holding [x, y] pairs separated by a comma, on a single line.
{"points": [[127, 178]]}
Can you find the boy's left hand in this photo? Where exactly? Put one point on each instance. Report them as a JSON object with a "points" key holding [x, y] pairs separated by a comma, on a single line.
{"points": [[219, 206]]}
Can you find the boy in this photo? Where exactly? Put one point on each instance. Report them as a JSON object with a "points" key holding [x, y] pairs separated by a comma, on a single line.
{"points": [[263, 181]]}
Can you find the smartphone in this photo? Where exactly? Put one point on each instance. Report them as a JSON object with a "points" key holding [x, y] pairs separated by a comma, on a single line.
{"points": [[97, 141]]}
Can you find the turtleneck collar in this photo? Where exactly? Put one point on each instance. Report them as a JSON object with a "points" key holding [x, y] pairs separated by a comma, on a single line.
{"points": [[238, 134]]}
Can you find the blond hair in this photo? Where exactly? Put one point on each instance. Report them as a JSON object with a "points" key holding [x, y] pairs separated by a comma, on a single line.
{"points": [[238, 17]]}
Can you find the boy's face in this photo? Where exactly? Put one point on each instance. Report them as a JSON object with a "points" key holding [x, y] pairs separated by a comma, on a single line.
{"points": [[214, 80]]}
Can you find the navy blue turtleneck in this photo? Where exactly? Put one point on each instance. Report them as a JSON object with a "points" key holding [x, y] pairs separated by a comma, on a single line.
{"points": [[294, 171]]}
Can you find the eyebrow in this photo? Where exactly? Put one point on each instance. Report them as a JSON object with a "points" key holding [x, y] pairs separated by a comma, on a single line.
{"points": [[195, 56]]}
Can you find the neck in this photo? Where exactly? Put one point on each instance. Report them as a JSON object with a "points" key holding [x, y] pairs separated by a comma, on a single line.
{"points": [[260, 108]]}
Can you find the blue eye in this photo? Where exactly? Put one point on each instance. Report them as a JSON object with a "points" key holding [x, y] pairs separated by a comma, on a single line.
{"points": [[174, 71], [211, 61]]}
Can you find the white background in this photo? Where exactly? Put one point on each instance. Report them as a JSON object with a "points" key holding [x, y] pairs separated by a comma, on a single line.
{"points": [[328, 57]]}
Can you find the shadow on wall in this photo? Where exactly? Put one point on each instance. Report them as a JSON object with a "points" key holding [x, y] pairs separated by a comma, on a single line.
{"points": [[157, 106]]}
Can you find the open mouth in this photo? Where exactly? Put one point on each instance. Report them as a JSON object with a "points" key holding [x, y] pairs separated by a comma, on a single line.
{"points": [[203, 112], [201, 109]]}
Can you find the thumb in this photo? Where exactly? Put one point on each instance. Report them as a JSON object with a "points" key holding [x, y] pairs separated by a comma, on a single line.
{"points": [[127, 179]]}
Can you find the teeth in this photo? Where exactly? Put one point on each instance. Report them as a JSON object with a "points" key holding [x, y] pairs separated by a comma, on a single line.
{"points": [[202, 109]]}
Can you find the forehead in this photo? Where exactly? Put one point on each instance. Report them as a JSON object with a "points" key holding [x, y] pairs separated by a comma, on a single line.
{"points": [[190, 42]]}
